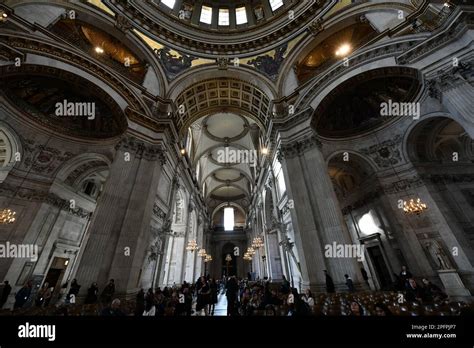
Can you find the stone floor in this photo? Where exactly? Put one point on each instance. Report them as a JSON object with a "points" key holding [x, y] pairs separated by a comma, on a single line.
{"points": [[221, 306]]}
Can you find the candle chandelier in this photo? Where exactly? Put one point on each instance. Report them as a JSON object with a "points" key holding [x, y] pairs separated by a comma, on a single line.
{"points": [[414, 206], [202, 253], [228, 258], [257, 243], [208, 258], [247, 257], [251, 251], [7, 216], [192, 246]]}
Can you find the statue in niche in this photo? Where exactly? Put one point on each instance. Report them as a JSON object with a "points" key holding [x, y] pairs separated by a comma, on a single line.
{"points": [[437, 255]]}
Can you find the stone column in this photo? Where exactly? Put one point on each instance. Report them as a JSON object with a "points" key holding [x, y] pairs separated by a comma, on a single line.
{"points": [[453, 89], [119, 227], [317, 217]]}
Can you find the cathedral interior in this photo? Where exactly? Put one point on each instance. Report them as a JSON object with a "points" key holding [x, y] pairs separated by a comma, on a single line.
{"points": [[269, 141]]}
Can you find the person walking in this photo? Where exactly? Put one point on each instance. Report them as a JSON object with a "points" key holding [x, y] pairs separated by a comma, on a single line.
{"points": [[329, 283]]}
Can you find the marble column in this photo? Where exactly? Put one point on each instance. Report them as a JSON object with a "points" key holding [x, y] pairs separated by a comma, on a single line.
{"points": [[317, 217], [456, 93], [119, 229]]}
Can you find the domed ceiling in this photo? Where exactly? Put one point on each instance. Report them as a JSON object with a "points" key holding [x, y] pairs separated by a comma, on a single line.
{"points": [[226, 28]]}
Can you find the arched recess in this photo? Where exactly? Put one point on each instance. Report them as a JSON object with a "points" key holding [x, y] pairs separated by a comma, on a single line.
{"points": [[107, 28], [355, 14], [100, 116], [228, 268], [442, 153], [365, 94], [10, 150], [366, 214], [85, 174]]}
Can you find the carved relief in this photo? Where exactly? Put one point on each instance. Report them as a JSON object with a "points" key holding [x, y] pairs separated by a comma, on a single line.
{"points": [[387, 153]]}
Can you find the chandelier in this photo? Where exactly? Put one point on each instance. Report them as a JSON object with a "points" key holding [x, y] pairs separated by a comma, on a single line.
{"points": [[202, 253], [414, 206], [7, 216], [208, 258], [247, 257], [228, 258], [257, 243], [192, 246], [251, 251]]}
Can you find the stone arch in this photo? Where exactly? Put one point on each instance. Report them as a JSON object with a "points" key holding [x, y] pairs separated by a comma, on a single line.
{"points": [[10, 150], [323, 29]]}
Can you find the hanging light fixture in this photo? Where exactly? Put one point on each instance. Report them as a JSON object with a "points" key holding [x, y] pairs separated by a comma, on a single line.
{"points": [[257, 243], [414, 206], [192, 246], [251, 251], [208, 258], [7, 216], [228, 258], [247, 257], [202, 252]]}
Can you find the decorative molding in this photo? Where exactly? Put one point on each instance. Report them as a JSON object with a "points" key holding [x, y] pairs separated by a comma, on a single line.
{"points": [[450, 78], [13, 191], [427, 46], [141, 149], [448, 178], [387, 153], [123, 23], [158, 212], [42, 159], [403, 185], [298, 147], [222, 63]]}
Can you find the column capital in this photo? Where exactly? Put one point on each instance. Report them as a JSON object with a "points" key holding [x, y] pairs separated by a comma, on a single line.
{"points": [[298, 147], [450, 78], [141, 149]]}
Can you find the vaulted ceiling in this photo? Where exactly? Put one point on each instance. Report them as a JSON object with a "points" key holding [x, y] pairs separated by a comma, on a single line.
{"points": [[225, 154]]}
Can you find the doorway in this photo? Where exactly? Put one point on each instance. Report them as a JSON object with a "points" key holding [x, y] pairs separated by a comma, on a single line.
{"points": [[229, 260], [55, 275], [381, 269]]}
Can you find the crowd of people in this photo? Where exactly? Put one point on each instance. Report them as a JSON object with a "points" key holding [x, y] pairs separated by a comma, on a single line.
{"points": [[244, 297]]}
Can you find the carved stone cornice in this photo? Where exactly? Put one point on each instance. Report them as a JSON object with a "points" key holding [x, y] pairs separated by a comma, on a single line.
{"points": [[123, 23], [459, 25], [176, 32], [298, 147], [42, 46], [448, 178], [403, 185], [12, 191], [364, 201], [450, 78], [141, 149]]}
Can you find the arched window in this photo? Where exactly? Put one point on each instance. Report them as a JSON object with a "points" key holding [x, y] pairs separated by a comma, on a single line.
{"points": [[9, 152]]}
